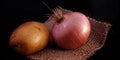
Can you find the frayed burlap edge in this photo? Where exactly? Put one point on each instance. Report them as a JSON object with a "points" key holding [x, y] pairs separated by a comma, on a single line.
{"points": [[95, 42]]}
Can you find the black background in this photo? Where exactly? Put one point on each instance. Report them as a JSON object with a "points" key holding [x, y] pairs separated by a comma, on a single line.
{"points": [[16, 12]]}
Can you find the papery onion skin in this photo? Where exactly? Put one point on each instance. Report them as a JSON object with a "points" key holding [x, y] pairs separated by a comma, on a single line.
{"points": [[72, 31]]}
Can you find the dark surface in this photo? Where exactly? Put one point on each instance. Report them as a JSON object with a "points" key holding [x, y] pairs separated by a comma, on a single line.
{"points": [[16, 12]]}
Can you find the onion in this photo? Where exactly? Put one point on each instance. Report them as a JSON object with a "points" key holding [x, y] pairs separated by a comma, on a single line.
{"points": [[71, 29]]}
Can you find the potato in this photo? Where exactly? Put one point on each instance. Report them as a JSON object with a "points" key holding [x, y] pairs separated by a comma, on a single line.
{"points": [[29, 38]]}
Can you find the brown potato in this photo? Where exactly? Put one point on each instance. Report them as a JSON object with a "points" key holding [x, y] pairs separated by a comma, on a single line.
{"points": [[29, 38]]}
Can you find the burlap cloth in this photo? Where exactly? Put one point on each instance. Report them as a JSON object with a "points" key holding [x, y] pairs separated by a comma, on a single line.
{"points": [[96, 40]]}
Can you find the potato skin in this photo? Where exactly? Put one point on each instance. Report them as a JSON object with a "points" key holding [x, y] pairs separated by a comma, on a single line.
{"points": [[29, 38]]}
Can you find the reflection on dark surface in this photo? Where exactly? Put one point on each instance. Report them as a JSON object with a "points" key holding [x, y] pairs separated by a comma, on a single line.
{"points": [[16, 12]]}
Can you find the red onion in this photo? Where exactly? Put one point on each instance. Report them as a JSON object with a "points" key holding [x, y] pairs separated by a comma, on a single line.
{"points": [[71, 29]]}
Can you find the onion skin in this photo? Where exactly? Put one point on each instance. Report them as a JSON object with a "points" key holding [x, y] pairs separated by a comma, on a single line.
{"points": [[72, 30]]}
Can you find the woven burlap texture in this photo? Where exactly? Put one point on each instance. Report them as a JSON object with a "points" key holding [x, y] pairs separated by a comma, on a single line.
{"points": [[96, 40]]}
